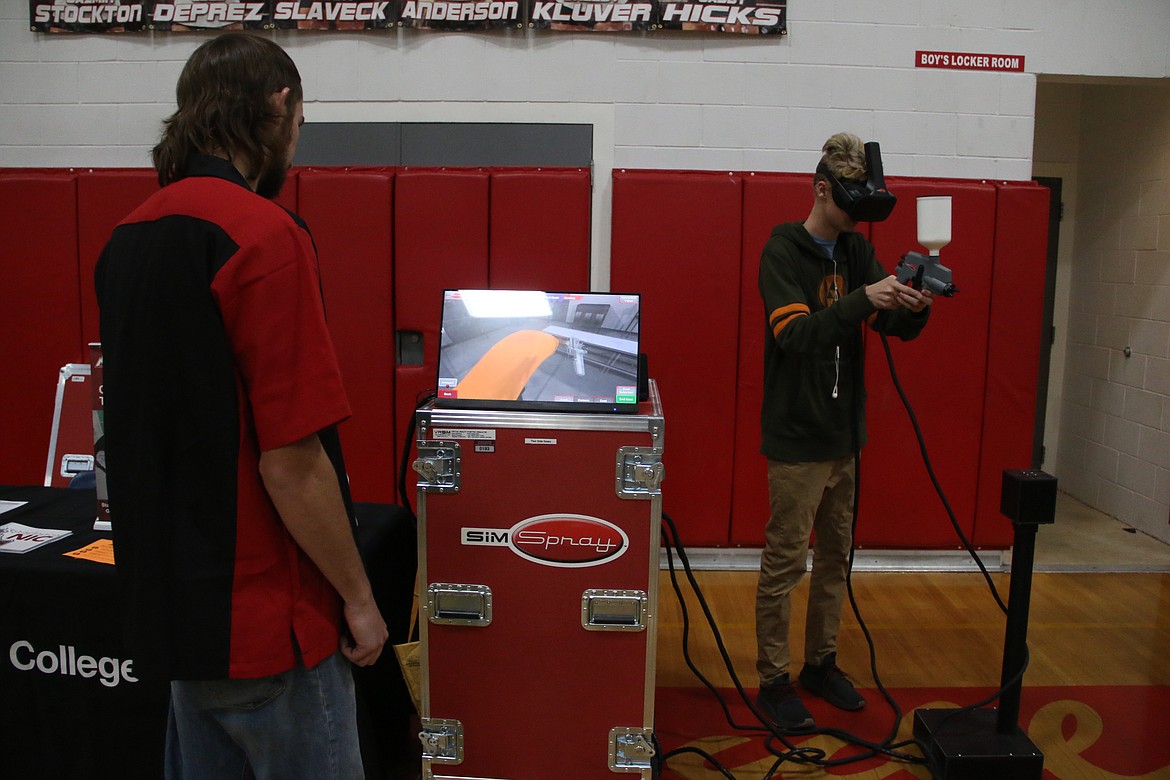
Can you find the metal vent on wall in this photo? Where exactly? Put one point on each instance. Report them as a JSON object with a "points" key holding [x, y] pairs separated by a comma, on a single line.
{"points": [[445, 143]]}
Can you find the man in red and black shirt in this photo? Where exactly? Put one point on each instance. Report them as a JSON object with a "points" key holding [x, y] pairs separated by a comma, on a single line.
{"points": [[241, 579]]}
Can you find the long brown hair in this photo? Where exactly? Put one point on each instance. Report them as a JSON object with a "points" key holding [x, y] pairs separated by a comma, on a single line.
{"points": [[225, 106]]}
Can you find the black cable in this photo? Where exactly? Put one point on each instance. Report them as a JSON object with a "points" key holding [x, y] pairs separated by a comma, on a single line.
{"points": [[1019, 675], [887, 747], [855, 422], [797, 755], [934, 479], [700, 752], [791, 753]]}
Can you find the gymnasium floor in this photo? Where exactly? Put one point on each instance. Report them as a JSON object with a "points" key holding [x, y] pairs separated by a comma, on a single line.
{"points": [[1095, 695]]}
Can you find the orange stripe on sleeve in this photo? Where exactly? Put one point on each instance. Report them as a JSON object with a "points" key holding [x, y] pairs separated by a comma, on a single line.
{"points": [[783, 317]]}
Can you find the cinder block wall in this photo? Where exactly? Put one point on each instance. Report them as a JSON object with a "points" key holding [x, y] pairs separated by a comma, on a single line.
{"points": [[1115, 443], [672, 100]]}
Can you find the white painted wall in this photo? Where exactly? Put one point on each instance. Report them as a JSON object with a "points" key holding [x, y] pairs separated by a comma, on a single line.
{"points": [[674, 100], [1114, 425]]}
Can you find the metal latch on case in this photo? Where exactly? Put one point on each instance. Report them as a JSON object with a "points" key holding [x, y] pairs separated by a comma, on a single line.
{"points": [[442, 740], [459, 604], [614, 610], [630, 749], [439, 466], [72, 465], [639, 472]]}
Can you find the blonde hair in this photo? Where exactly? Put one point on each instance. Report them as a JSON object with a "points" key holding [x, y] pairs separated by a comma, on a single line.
{"points": [[844, 154]]}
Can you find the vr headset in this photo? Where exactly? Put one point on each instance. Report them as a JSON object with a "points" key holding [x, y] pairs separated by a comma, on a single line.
{"points": [[863, 201]]}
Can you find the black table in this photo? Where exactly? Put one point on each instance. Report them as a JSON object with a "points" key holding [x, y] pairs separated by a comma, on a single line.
{"points": [[71, 703]]}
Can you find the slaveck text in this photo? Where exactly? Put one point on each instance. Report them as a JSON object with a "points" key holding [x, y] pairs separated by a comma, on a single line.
{"points": [[739, 17]]}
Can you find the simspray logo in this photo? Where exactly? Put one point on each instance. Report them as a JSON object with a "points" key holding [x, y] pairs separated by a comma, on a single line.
{"points": [[562, 540]]}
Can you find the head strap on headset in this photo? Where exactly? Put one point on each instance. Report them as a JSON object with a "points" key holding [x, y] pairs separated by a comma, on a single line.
{"points": [[863, 201]]}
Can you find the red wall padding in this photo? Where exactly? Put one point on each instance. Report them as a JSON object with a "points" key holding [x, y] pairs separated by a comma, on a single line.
{"points": [[444, 238], [1013, 353], [676, 240], [942, 372], [40, 313], [768, 200], [350, 216], [539, 230], [390, 242], [440, 241]]}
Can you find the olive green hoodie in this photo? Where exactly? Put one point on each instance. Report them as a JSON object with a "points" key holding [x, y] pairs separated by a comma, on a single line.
{"points": [[814, 394]]}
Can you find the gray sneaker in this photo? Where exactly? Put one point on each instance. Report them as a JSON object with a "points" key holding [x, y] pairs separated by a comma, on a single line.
{"points": [[830, 683], [780, 702]]}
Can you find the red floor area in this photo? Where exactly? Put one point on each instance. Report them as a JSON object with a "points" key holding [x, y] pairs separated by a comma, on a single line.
{"points": [[1083, 732]]}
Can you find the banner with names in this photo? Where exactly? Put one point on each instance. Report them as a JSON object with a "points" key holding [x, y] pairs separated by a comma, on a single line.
{"points": [[742, 17]]}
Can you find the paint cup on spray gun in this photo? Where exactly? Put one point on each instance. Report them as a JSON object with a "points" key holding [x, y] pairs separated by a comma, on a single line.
{"points": [[925, 272], [934, 223]]}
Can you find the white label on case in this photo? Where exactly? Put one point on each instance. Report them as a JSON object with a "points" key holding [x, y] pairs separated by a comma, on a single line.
{"points": [[477, 434]]}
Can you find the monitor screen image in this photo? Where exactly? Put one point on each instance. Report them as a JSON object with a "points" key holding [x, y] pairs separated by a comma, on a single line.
{"points": [[538, 351]]}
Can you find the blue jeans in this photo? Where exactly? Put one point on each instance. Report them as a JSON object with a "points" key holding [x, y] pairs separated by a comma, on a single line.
{"points": [[299, 724]]}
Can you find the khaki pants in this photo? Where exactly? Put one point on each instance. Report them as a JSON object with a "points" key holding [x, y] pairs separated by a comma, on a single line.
{"points": [[805, 498]]}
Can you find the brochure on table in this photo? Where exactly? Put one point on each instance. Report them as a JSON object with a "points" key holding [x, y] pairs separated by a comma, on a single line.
{"points": [[20, 538]]}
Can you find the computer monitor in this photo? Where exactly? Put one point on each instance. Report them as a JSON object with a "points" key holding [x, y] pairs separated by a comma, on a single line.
{"points": [[531, 350]]}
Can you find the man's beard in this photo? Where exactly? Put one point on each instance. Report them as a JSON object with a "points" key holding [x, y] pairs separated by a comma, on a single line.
{"points": [[274, 168], [273, 174]]}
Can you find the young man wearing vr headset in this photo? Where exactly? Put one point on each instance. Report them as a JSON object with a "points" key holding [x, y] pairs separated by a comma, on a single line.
{"points": [[820, 282]]}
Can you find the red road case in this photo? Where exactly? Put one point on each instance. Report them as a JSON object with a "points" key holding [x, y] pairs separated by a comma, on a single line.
{"points": [[538, 589]]}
